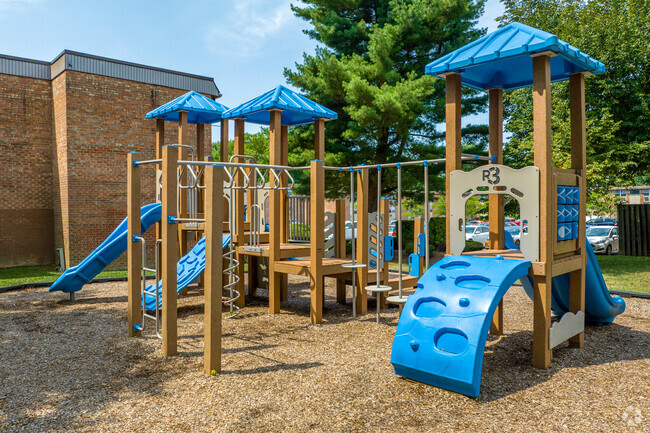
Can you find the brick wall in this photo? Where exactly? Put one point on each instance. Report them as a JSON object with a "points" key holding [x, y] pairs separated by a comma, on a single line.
{"points": [[63, 146], [26, 205], [105, 119]]}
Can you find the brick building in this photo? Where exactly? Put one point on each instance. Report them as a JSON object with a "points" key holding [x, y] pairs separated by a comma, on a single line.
{"points": [[65, 129]]}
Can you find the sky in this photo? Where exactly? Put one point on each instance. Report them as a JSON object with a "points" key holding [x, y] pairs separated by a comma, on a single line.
{"points": [[244, 44]]}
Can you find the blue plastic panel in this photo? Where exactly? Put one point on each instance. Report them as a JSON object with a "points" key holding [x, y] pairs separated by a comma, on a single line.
{"points": [[296, 108], [389, 248], [420, 246], [561, 195], [441, 334], [502, 59], [414, 265], [200, 109]]}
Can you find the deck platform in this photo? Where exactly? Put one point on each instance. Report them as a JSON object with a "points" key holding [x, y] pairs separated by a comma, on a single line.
{"points": [[286, 251], [562, 265]]}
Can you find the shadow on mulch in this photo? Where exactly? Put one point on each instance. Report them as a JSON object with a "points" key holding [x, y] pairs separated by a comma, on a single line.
{"points": [[40, 389], [507, 366]]}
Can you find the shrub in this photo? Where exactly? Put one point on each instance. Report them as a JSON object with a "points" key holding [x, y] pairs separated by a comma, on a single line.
{"points": [[472, 246]]}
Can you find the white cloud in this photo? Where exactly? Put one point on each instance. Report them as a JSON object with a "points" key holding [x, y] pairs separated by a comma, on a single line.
{"points": [[244, 28], [11, 6]]}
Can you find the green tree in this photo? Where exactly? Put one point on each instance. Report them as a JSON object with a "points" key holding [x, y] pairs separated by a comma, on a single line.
{"points": [[616, 32], [369, 68]]}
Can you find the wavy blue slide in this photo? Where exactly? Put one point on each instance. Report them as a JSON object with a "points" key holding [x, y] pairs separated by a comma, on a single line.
{"points": [[73, 279], [600, 306], [441, 334], [188, 268]]}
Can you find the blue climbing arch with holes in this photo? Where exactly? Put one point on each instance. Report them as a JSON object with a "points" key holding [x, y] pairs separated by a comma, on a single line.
{"points": [[441, 334]]}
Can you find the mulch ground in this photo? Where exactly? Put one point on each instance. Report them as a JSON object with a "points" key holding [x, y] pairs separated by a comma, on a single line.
{"points": [[70, 367]]}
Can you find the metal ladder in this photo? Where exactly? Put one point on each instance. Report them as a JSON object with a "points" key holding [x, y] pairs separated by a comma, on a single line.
{"points": [[144, 291]]}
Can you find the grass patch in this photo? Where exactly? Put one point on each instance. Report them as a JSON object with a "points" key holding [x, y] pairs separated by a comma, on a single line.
{"points": [[41, 274], [626, 273]]}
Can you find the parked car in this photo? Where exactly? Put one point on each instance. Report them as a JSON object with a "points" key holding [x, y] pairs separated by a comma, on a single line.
{"points": [[478, 233], [603, 239], [602, 222], [392, 229], [516, 236], [348, 230]]}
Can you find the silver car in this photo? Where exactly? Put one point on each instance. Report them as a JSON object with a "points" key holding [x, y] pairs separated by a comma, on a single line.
{"points": [[477, 233], [603, 239], [348, 230]]}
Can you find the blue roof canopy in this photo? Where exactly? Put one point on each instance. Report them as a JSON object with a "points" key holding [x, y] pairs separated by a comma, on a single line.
{"points": [[502, 59], [296, 109], [200, 109]]}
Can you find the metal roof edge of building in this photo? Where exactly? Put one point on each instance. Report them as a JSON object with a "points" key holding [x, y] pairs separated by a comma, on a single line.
{"points": [[209, 85], [124, 62], [24, 59]]}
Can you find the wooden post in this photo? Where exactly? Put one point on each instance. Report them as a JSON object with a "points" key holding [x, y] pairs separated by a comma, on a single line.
{"points": [[579, 162], [223, 145], [363, 181], [339, 247], [202, 193], [497, 222], [317, 241], [452, 138], [160, 137], [169, 250], [385, 210], [134, 248], [200, 141], [543, 161], [275, 158], [240, 237], [213, 269], [319, 139], [284, 210], [160, 142]]}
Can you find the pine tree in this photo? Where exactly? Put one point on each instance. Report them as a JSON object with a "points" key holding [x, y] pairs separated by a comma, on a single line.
{"points": [[369, 68]]}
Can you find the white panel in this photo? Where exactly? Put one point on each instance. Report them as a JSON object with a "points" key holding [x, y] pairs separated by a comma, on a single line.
{"points": [[330, 238], [569, 325], [375, 236], [522, 184]]}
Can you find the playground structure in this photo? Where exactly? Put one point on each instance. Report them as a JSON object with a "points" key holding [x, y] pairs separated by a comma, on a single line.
{"points": [[553, 256], [444, 325]]}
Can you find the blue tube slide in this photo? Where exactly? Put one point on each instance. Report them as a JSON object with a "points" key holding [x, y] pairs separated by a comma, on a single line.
{"points": [[74, 278], [188, 268]]}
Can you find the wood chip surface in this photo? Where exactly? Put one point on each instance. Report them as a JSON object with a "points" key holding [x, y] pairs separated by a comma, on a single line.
{"points": [[71, 367]]}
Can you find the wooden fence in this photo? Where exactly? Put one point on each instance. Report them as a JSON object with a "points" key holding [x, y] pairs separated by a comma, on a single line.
{"points": [[634, 230]]}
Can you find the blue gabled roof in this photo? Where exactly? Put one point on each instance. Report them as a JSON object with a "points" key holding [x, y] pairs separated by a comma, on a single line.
{"points": [[503, 59], [200, 109], [296, 108]]}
